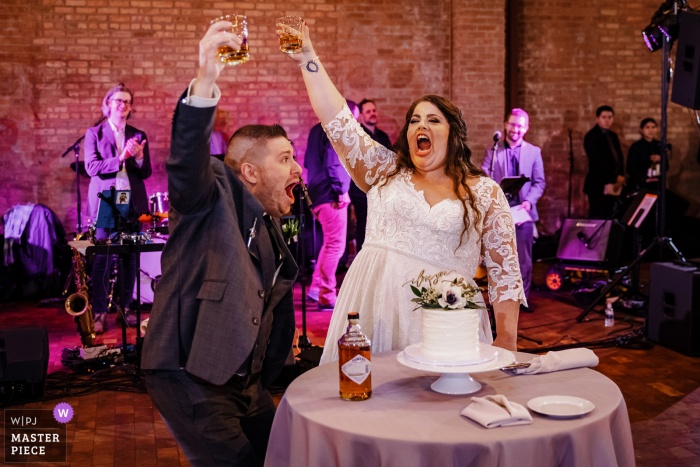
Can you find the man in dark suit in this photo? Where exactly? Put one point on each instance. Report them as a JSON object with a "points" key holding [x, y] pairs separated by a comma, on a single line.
{"points": [[605, 166], [116, 154], [515, 157], [369, 118], [222, 322]]}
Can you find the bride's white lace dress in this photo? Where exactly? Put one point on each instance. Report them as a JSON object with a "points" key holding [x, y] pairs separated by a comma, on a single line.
{"points": [[405, 235]]}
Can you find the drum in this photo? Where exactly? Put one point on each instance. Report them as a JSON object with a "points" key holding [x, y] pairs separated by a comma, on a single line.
{"points": [[160, 204], [150, 273]]}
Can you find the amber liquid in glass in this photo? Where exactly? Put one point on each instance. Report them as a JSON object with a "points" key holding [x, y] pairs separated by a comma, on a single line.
{"points": [[290, 44], [231, 56], [349, 389]]}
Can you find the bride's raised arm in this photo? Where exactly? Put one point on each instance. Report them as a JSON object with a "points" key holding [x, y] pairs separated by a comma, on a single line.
{"points": [[366, 161]]}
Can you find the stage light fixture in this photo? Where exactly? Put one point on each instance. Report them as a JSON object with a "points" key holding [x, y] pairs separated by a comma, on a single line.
{"points": [[664, 23]]}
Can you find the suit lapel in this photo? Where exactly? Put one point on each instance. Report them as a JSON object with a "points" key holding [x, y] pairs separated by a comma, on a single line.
{"points": [[260, 245], [502, 162], [129, 132], [109, 138], [252, 222]]}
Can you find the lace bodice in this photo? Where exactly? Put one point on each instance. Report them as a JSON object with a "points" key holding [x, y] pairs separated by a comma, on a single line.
{"points": [[399, 217]]}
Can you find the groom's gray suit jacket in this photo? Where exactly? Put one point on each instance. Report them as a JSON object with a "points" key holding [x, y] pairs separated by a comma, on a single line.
{"points": [[216, 311]]}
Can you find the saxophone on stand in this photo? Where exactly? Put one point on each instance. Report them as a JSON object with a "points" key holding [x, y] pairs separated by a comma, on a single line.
{"points": [[78, 304]]}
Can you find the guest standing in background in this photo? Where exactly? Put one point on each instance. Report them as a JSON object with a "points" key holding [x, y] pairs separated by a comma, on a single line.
{"points": [[642, 154], [328, 189], [369, 117], [515, 157], [605, 165], [116, 155]]}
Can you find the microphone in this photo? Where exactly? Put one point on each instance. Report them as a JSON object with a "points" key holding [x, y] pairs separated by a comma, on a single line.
{"points": [[582, 236], [306, 194], [496, 136]]}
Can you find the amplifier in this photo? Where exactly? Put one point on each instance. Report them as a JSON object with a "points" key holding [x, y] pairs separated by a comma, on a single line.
{"points": [[24, 359], [674, 307], [591, 240]]}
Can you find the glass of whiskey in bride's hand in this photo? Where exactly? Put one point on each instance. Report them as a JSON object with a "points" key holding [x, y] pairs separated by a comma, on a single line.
{"points": [[228, 54], [291, 28]]}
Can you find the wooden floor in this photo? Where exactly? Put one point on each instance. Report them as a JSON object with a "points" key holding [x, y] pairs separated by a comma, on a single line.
{"points": [[660, 386]]}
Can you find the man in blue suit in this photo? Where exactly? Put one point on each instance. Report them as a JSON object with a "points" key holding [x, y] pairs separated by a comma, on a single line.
{"points": [[515, 157]]}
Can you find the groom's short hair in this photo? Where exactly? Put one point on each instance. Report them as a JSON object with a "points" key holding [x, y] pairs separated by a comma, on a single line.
{"points": [[249, 142]]}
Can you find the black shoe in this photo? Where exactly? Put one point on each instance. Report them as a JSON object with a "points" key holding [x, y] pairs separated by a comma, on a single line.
{"points": [[527, 309], [100, 323], [130, 318]]}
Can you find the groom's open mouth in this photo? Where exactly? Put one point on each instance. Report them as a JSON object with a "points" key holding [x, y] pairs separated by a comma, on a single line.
{"points": [[289, 189], [423, 145]]}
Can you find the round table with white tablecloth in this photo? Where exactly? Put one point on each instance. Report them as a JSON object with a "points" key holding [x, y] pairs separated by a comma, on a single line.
{"points": [[406, 424]]}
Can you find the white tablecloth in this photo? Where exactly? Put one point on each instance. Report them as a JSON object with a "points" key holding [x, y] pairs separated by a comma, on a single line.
{"points": [[406, 424]]}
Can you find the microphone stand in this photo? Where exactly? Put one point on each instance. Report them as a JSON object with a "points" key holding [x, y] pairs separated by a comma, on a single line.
{"points": [[75, 147], [493, 157], [571, 170], [304, 342]]}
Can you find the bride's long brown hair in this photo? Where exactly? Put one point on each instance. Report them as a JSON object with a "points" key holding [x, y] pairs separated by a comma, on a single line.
{"points": [[459, 165]]}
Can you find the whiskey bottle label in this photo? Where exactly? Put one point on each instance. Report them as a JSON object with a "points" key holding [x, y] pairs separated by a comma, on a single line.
{"points": [[357, 369]]}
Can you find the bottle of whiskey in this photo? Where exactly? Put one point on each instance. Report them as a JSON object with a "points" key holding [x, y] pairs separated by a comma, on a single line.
{"points": [[355, 366]]}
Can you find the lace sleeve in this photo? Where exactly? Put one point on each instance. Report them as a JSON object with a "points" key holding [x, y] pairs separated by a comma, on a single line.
{"points": [[352, 144], [498, 245]]}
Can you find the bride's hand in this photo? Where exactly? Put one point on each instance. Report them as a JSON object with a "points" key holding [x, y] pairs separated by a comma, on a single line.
{"points": [[307, 49]]}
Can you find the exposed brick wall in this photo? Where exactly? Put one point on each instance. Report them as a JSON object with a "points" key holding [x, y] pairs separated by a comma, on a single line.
{"points": [[59, 57], [574, 58]]}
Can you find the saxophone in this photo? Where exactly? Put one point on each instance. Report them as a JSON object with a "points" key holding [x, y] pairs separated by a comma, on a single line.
{"points": [[78, 304]]}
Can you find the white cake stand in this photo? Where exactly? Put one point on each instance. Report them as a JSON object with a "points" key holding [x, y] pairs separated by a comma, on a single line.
{"points": [[456, 379]]}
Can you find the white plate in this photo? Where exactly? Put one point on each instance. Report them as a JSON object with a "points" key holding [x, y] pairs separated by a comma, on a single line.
{"points": [[560, 406], [486, 354]]}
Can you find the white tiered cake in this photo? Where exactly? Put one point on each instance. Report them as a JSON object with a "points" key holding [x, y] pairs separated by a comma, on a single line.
{"points": [[450, 335]]}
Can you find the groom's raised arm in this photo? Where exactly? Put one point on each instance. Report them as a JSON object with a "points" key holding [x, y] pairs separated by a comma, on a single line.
{"points": [[191, 183]]}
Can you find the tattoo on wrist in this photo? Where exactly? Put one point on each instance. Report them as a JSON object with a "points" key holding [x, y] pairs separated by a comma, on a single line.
{"points": [[312, 67]]}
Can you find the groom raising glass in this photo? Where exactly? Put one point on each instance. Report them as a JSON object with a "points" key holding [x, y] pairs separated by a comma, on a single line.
{"points": [[222, 323]]}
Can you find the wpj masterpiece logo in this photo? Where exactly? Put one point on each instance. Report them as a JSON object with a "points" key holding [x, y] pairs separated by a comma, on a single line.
{"points": [[37, 435]]}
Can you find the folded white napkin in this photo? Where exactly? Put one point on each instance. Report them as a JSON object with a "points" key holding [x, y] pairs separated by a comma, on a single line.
{"points": [[496, 410], [562, 360]]}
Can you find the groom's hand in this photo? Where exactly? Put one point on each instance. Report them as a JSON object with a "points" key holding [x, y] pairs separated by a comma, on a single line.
{"points": [[210, 66]]}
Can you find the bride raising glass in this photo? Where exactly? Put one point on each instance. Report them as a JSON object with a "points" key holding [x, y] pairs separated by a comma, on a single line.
{"points": [[429, 209]]}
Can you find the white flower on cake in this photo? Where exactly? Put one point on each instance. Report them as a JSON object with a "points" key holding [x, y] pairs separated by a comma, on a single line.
{"points": [[446, 290]]}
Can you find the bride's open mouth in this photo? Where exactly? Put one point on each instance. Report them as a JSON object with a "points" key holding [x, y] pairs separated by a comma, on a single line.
{"points": [[290, 193], [423, 145]]}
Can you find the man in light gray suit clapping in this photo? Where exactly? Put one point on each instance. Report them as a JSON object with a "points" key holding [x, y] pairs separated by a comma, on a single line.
{"points": [[222, 322], [515, 157]]}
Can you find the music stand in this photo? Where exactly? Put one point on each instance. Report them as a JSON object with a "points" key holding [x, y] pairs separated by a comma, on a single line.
{"points": [[511, 185], [634, 216], [112, 213]]}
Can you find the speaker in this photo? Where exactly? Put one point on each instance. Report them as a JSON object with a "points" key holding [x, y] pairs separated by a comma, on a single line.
{"points": [[24, 359], [674, 307], [603, 240], [686, 78]]}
